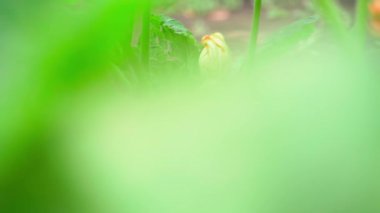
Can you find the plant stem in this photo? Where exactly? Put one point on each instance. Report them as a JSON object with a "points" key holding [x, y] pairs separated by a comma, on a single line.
{"points": [[255, 30], [145, 37], [332, 14], [361, 21]]}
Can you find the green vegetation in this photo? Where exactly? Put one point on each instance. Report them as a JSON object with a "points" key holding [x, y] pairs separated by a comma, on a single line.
{"points": [[103, 108]]}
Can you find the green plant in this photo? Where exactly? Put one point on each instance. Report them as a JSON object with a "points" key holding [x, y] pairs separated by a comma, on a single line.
{"points": [[255, 30], [84, 126]]}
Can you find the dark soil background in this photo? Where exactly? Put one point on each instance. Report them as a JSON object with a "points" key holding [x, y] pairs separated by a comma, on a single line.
{"points": [[236, 25]]}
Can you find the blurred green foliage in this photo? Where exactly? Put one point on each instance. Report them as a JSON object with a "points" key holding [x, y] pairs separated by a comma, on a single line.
{"points": [[82, 129]]}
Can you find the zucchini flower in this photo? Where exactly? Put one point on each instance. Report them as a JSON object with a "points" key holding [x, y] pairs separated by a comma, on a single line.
{"points": [[214, 57]]}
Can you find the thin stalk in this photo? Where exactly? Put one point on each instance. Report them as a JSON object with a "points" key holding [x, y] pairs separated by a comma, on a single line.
{"points": [[145, 36], [332, 13], [255, 30], [361, 20]]}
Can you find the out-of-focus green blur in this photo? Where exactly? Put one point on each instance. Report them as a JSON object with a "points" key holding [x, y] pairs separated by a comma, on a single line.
{"points": [[89, 123]]}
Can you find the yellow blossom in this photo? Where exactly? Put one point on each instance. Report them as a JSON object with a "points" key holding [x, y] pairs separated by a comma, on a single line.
{"points": [[214, 57]]}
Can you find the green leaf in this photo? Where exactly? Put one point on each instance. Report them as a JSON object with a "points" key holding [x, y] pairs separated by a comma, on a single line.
{"points": [[333, 15], [288, 38], [361, 20], [173, 46]]}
